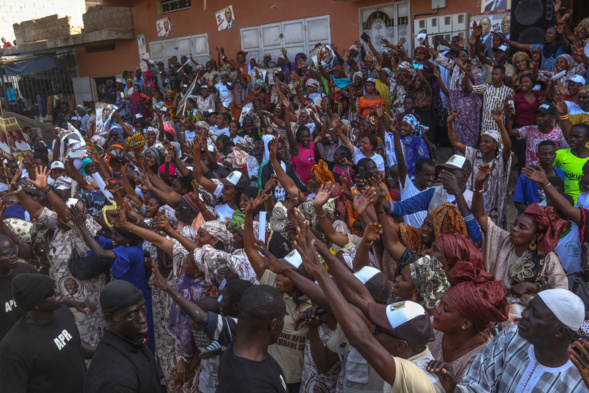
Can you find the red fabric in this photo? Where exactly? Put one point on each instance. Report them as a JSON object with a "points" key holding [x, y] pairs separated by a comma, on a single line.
{"points": [[480, 303], [526, 112], [460, 248], [549, 226]]}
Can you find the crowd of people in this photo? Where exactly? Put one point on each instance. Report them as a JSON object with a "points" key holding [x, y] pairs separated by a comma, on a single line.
{"points": [[289, 225]]}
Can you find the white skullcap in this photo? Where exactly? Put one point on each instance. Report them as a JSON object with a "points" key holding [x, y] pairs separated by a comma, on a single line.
{"points": [[366, 273], [567, 307]]}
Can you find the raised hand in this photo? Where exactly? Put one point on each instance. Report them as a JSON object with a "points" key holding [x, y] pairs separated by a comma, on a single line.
{"points": [[275, 265], [363, 201], [157, 280], [445, 374], [372, 232], [308, 317], [579, 355], [40, 178], [376, 194], [323, 194], [76, 216], [306, 249], [484, 173], [497, 115], [537, 175], [452, 116], [162, 223], [560, 105], [256, 202], [271, 185]]}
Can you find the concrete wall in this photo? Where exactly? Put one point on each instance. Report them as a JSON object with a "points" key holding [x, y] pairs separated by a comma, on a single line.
{"points": [[16, 11], [196, 20], [44, 29], [99, 17]]}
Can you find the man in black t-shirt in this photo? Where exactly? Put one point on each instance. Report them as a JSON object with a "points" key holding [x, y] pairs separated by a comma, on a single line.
{"points": [[122, 361], [42, 351], [9, 268], [246, 366]]}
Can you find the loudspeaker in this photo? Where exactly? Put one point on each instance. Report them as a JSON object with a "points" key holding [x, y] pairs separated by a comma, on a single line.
{"points": [[529, 20]]}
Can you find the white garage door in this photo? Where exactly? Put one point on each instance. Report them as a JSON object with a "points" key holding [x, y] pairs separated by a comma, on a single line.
{"points": [[195, 45], [299, 35]]}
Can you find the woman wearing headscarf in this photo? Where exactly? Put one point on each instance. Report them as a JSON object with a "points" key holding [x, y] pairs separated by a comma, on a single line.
{"points": [[170, 103], [414, 146], [241, 90], [353, 92], [259, 97], [494, 150], [370, 100], [422, 281], [462, 318], [137, 99], [452, 248], [128, 90], [522, 258]]}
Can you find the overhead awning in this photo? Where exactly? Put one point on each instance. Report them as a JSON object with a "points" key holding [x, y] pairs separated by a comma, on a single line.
{"points": [[28, 66]]}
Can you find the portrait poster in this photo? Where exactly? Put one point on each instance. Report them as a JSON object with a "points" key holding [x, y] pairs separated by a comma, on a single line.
{"points": [[500, 22], [491, 6], [225, 18], [141, 44], [163, 27], [104, 113]]}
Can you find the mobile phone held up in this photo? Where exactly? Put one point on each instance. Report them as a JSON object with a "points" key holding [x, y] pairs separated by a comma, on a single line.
{"points": [[365, 37]]}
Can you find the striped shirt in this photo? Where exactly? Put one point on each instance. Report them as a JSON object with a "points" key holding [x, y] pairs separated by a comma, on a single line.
{"points": [[493, 98], [507, 365]]}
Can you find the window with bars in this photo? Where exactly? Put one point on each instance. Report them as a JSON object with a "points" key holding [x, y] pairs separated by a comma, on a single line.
{"points": [[174, 5]]}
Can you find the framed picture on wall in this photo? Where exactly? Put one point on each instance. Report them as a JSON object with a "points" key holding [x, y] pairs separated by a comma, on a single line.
{"points": [[495, 5]]}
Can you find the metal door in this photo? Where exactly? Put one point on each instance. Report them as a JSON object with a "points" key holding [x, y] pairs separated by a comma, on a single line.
{"points": [[389, 21]]}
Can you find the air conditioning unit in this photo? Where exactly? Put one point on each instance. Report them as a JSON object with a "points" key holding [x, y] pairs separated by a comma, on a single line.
{"points": [[433, 25], [460, 22], [419, 24], [445, 23]]}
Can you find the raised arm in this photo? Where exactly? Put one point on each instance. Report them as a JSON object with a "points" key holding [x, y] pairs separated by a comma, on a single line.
{"points": [[515, 44], [539, 176], [352, 324], [249, 238], [288, 184], [80, 221], [498, 117], [390, 230], [56, 202], [452, 135], [478, 206], [197, 169], [162, 223], [191, 309], [159, 241], [326, 226], [292, 142]]}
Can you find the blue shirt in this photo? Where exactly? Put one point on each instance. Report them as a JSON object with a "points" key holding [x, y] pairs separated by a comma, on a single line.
{"points": [[526, 191], [139, 81], [128, 266], [421, 202]]}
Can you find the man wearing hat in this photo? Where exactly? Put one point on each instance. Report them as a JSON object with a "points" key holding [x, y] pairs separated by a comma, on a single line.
{"points": [[544, 130], [122, 359], [396, 344], [531, 356], [453, 175], [42, 352]]}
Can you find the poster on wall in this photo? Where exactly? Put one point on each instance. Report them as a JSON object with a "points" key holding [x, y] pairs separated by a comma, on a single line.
{"points": [[142, 51], [495, 5], [225, 18], [500, 23], [163, 27]]}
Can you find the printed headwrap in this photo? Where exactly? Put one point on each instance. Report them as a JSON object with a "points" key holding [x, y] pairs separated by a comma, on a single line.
{"points": [[418, 129], [219, 231], [496, 135], [430, 280], [409, 67]]}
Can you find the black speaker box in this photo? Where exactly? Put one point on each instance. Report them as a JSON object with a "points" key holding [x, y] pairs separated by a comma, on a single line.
{"points": [[529, 20]]}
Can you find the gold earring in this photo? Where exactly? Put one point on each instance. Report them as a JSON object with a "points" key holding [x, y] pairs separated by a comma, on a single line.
{"points": [[463, 327], [533, 245], [414, 297]]}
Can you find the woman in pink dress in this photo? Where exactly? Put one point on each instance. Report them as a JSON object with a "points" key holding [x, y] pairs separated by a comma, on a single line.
{"points": [[302, 153]]}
